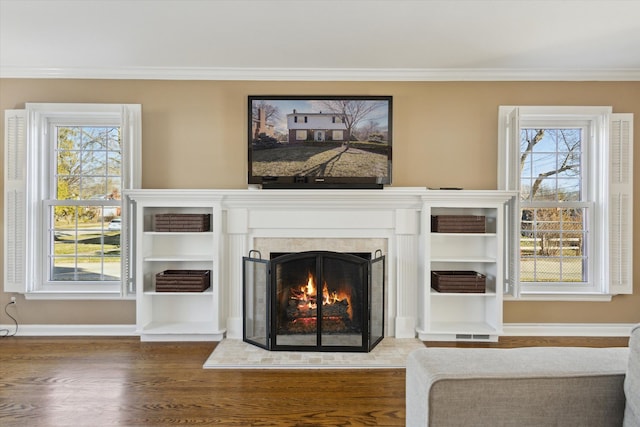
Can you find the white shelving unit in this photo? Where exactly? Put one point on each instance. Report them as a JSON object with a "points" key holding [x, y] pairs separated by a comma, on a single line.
{"points": [[176, 316], [463, 316], [238, 217]]}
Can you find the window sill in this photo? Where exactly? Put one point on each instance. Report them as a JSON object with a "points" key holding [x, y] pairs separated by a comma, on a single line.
{"points": [[560, 297]]}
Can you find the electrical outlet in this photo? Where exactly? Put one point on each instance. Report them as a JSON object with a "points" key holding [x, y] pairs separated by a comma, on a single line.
{"points": [[13, 300]]}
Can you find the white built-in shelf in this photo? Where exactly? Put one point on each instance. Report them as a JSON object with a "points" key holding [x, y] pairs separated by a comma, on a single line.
{"points": [[437, 294], [178, 233], [463, 259], [206, 293], [461, 327], [162, 328], [465, 235], [461, 316], [176, 316], [180, 258]]}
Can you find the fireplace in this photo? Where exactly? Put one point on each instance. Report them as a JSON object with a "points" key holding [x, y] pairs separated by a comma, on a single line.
{"points": [[314, 301]]}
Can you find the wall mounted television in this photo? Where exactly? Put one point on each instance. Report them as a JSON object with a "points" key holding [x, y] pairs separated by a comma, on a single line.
{"points": [[320, 141]]}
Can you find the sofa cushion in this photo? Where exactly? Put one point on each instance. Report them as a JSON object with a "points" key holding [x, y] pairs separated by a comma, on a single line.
{"points": [[516, 387], [632, 382]]}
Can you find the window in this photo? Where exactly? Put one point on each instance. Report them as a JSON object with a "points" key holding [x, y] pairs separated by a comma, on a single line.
{"points": [[566, 163], [69, 165]]}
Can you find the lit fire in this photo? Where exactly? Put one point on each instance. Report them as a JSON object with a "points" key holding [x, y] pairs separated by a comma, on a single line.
{"points": [[306, 298]]}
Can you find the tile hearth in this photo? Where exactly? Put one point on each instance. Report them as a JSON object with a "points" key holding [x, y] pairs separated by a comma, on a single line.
{"points": [[236, 354]]}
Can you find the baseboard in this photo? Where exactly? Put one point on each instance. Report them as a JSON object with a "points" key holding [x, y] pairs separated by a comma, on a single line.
{"points": [[71, 330], [567, 329], [509, 329]]}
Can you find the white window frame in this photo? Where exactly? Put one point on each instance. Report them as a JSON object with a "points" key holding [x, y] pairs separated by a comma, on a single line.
{"points": [[27, 248], [609, 267]]}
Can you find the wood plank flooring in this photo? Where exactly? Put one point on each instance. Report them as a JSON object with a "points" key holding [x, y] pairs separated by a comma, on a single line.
{"points": [[82, 381]]}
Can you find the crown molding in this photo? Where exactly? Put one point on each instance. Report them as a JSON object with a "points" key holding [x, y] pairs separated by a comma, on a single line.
{"points": [[321, 74]]}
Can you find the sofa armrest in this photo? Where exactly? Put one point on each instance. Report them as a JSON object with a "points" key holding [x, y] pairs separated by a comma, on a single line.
{"points": [[535, 386], [632, 381]]}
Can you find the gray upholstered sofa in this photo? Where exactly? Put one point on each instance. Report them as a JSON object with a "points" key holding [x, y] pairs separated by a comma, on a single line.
{"points": [[538, 386]]}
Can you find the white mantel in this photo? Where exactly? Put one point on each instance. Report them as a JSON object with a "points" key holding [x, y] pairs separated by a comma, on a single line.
{"points": [[392, 214]]}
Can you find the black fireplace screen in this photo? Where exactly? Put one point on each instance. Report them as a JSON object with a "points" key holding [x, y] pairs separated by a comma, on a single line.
{"points": [[318, 300]]}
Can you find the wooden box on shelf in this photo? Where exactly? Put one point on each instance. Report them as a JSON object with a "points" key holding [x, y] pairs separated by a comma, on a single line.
{"points": [[182, 222], [458, 281], [183, 281], [458, 224]]}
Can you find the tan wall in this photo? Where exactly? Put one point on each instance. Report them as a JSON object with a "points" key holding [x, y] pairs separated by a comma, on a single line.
{"points": [[445, 134]]}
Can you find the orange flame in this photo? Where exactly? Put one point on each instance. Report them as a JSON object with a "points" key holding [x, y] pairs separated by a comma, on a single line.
{"points": [[307, 296]]}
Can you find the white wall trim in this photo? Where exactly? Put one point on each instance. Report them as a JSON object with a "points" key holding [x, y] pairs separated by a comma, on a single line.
{"points": [[567, 329], [323, 74], [510, 329], [72, 330]]}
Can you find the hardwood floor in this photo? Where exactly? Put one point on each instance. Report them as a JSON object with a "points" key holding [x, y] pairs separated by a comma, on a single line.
{"points": [[81, 381]]}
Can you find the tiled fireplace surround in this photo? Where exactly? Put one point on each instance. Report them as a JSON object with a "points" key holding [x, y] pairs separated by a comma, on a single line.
{"points": [[341, 221]]}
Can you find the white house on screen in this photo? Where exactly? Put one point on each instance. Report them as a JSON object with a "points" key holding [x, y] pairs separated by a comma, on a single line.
{"points": [[315, 127]]}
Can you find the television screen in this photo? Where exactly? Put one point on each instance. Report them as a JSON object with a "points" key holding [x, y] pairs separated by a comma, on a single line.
{"points": [[320, 141]]}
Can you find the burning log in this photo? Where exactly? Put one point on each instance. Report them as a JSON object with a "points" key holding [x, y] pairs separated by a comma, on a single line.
{"points": [[303, 308], [338, 309]]}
